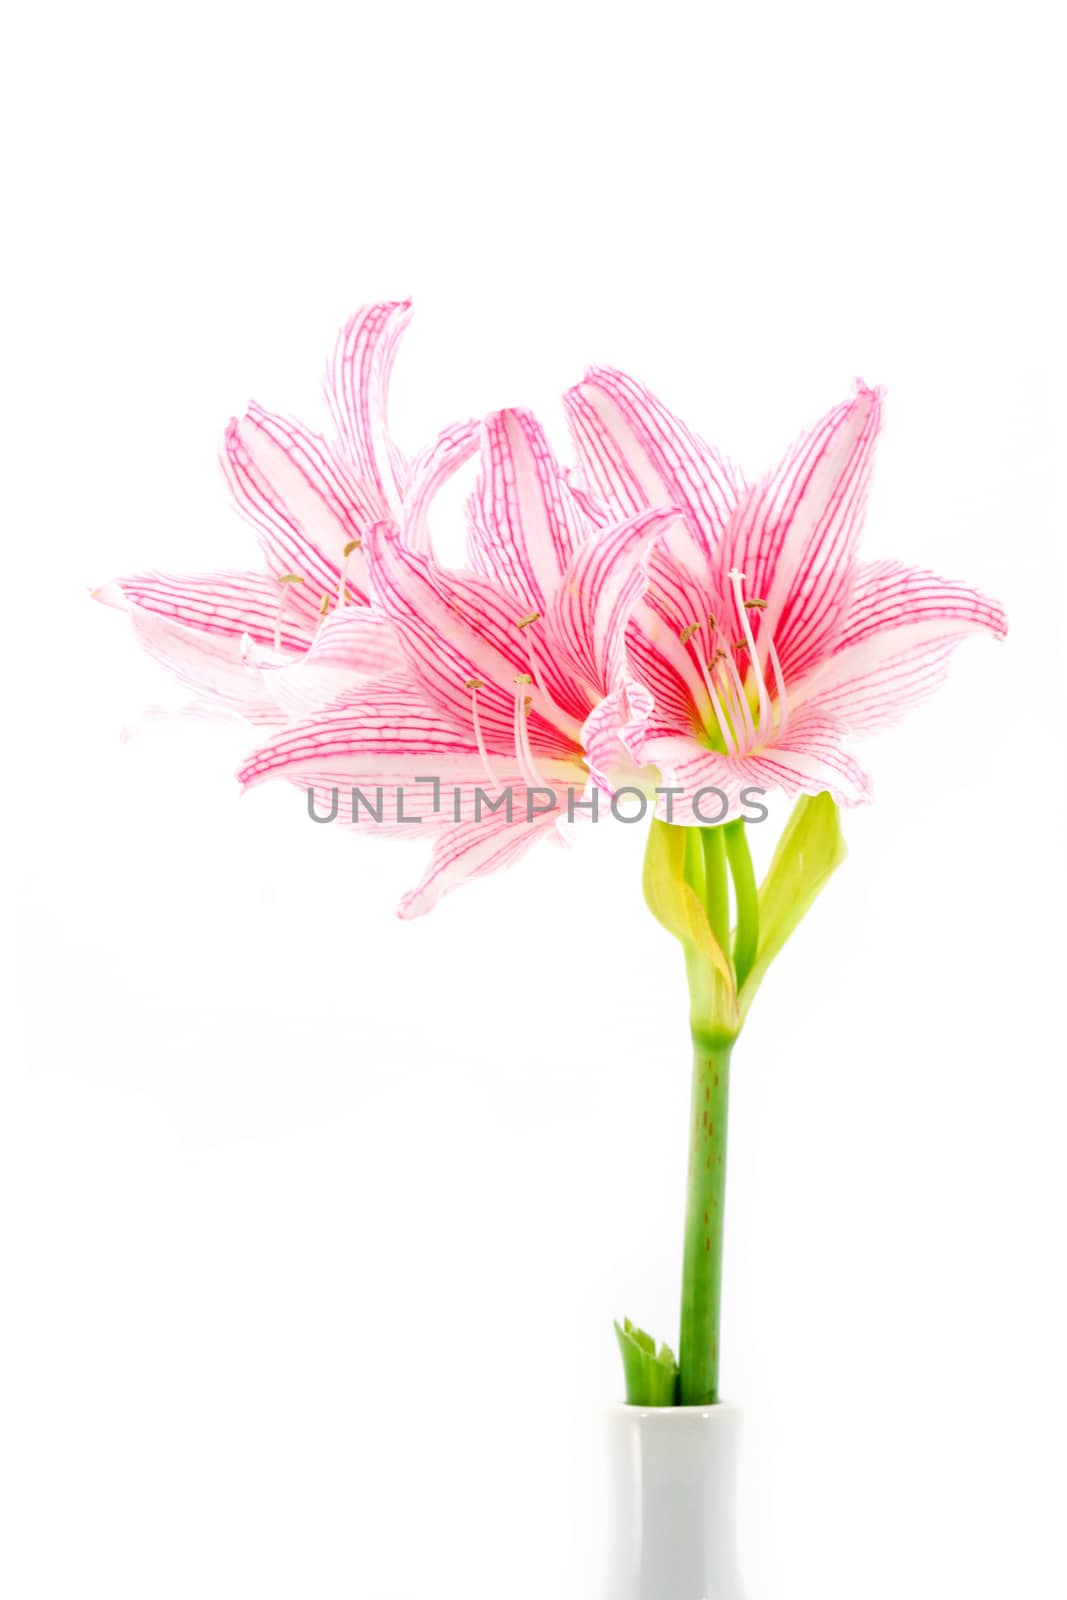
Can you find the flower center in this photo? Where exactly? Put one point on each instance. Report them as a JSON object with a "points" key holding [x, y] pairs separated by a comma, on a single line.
{"points": [[741, 726]]}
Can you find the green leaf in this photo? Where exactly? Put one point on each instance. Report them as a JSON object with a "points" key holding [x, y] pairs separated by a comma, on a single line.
{"points": [[651, 1375], [676, 905], [809, 852]]}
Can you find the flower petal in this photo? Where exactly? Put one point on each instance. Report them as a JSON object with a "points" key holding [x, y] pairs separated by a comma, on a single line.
{"points": [[211, 663], [589, 614], [895, 645], [706, 785], [358, 391], [409, 760], [808, 758], [635, 453], [430, 470], [352, 644], [457, 629], [525, 525], [467, 851], [287, 548], [794, 535], [887, 595], [604, 737], [230, 604], [315, 487]]}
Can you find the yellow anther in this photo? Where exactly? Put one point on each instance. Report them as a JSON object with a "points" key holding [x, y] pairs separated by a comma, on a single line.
{"points": [[755, 605], [712, 624], [353, 544], [325, 606], [474, 683], [535, 616], [290, 577], [740, 644], [687, 633], [524, 677]]}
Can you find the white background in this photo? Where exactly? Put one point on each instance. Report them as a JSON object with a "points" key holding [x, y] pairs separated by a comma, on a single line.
{"points": [[314, 1223]]}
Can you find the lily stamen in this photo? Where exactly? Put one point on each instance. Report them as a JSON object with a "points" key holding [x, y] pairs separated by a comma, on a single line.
{"points": [[729, 667], [474, 684], [285, 579], [523, 748], [779, 680], [352, 545], [687, 636], [563, 719], [725, 728], [766, 711]]}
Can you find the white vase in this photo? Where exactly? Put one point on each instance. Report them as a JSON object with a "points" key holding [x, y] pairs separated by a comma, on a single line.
{"points": [[673, 1475]]}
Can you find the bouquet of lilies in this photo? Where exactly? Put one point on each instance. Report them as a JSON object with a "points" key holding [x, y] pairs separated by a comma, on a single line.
{"points": [[645, 627]]}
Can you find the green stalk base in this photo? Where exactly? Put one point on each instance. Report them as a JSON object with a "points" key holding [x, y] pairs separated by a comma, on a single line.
{"points": [[698, 1351]]}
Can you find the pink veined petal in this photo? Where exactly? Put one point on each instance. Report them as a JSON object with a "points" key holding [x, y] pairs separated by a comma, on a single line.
{"points": [[455, 628], [660, 661], [230, 604], [357, 391], [604, 737], [312, 483], [794, 535], [351, 645], [589, 504], [889, 595], [525, 526], [635, 453], [589, 614], [430, 470], [876, 698], [708, 785], [390, 718], [211, 663], [470, 850], [676, 629], [287, 548], [897, 638], [409, 760], [810, 758]]}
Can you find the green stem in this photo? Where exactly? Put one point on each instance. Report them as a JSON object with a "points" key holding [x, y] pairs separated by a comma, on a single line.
{"points": [[746, 894], [716, 887], [698, 1353]]}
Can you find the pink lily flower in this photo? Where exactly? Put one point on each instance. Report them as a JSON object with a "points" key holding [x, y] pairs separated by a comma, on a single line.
{"points": [[269, 642], [513, 686], [763, 639]]}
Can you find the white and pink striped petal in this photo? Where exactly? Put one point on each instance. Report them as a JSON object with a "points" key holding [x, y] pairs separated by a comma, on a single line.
{"points": [[357, 392], [525, 525], [896, 641], [462, 638], [212, 663], [591, 610], [795, 533], [634, 452]]}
